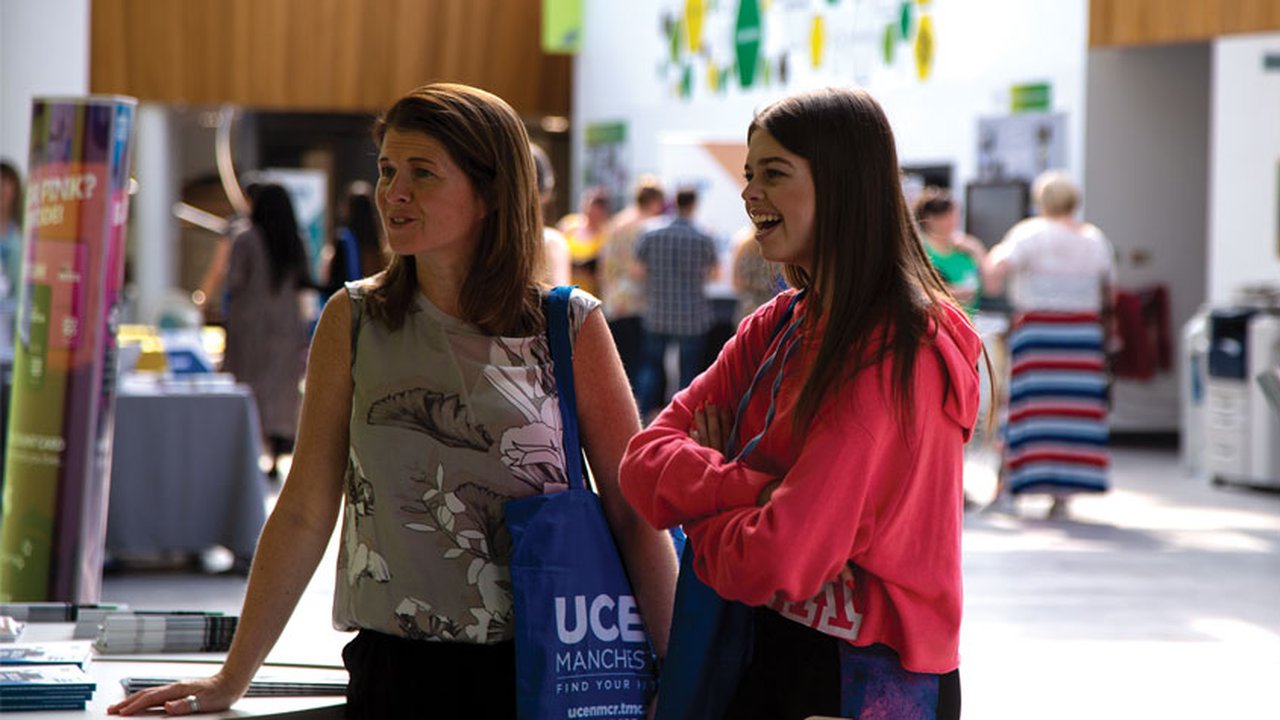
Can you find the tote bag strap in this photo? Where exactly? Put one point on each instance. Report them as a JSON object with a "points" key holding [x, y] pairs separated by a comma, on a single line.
{"points": [[787, 328], [562, 362]]}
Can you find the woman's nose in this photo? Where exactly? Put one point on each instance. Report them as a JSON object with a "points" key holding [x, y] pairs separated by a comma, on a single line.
{"points": [[398, 189]]}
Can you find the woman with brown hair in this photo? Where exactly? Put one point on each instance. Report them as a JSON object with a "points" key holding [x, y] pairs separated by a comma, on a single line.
{"points": [[266, 335], [816, 467], [432, 401]]}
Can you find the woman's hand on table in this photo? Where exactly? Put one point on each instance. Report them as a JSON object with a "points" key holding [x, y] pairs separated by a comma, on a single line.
{"points": [[211, 694]]}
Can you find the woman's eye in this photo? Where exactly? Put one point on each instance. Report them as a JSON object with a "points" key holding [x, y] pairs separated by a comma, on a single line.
{"points": [[773, 174], [386, 171], [421, 173]]}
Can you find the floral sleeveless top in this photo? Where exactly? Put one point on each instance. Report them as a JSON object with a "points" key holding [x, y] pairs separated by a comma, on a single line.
{"points": [[447, 424]]}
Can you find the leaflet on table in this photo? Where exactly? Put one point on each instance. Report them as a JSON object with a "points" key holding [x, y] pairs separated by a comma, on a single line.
{"points": [[44, 687], [57, 653], [59, 678], [89, 626], [42, 612], [166, 633], [329, 684]]}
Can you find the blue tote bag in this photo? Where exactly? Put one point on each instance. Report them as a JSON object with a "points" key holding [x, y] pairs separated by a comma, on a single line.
{"points": [[711, 638], [581, 649]]}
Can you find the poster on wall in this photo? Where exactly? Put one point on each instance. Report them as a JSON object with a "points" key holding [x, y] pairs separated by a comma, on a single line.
{"points": [[58, 447], [606, 160], [1021, 146]]}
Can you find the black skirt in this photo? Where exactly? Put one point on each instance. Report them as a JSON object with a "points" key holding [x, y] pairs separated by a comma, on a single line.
{"points": [[798, 672], [392, 677]]}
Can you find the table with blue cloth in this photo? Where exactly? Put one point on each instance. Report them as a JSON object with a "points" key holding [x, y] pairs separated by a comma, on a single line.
{"points": [[184, 472]]}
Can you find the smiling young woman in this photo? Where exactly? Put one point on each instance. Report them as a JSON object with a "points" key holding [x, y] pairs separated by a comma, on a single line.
{"points": [[780, 201], [830, 501]]}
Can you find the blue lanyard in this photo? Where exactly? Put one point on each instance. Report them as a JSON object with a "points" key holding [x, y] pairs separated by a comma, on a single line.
{"points": [[785, 346]]}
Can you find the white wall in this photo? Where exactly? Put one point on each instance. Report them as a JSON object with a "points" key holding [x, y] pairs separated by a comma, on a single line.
{"points": [[1244, 184], [983, 47], [44, 50], [1147, 158], [1146, 185]]}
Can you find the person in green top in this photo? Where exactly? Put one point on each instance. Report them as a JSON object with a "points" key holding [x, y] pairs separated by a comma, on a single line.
{"points": [[957, 257]]}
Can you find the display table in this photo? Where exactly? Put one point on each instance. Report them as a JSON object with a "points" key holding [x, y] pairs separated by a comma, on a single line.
{"points": [[108, 671], [184, 471]]}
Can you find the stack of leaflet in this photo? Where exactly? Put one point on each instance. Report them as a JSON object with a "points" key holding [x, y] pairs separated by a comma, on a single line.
{"points": [[334, 685], [47, 676], [44, 687], [53, 653], [46, 612], [165, 632]]}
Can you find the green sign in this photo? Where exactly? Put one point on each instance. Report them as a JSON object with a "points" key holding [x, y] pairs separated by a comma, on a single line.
{"points": [[1033, 97], [606, 133], [562, 26]]}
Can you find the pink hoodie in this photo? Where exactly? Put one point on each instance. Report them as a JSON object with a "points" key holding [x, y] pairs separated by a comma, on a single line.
{"points": [[862, 538]]}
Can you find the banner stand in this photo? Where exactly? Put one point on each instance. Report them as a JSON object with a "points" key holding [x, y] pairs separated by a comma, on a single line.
{"points": [[58, 449]]}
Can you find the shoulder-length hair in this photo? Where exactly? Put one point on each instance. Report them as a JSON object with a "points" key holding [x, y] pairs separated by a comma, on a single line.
{"points": [[870, 273], [488, 142]]}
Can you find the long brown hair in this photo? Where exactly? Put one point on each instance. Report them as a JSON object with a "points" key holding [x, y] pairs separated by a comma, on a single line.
{"points": [[872, 277], [488, 141], [277, 224]]}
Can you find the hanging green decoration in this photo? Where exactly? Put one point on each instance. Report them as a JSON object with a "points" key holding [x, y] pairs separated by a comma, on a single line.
{"points": [[747, 35]]}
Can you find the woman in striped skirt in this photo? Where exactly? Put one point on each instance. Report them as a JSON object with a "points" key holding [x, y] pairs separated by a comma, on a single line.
{"points": [[1060, 272]]}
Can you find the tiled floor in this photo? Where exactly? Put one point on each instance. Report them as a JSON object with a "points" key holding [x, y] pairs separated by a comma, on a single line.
{"points": [[1160, 599]]}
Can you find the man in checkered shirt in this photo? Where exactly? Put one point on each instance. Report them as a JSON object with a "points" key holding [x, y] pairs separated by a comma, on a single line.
{"points": [[677, 258]]}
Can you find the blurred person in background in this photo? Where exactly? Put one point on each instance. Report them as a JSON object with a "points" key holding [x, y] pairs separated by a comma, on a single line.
{"points": [[266, 333], [817, 465], [585, 231], [755, 280], [677, 259], [11, 201], [1059, 272], [357, 250], [211, 297], [958, 258], [621, 278], [430, 403], [559, 265]]}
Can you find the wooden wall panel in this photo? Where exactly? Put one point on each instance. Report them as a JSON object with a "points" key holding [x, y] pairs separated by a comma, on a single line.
{"points": [[1118, 23], [354, 55]]}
